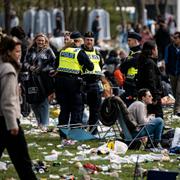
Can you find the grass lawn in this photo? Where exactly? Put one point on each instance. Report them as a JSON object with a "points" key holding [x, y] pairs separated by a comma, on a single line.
{"points": [[42, 144]]}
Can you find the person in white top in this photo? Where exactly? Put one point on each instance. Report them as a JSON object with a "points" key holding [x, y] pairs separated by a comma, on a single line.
{"points": [[138, 110]]}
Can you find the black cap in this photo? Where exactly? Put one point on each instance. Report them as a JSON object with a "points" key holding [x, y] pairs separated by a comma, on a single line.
{"points": [[134, 35], [89, 34], [75, 35]]}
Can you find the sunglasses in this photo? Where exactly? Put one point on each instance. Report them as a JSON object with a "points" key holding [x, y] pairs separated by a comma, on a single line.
{"points": [[67, 34]]}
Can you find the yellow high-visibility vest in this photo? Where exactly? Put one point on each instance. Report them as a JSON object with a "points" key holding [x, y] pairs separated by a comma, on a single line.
{"points": [[132, 71], [68, 61], [95, 59]]}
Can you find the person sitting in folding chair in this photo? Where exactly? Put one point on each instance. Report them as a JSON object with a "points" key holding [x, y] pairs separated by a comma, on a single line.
{"points": [[154, 125]]}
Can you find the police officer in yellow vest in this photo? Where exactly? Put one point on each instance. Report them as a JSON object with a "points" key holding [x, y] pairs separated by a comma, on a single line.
{"points": [[94, 87], [129, 68], [72, 62]]}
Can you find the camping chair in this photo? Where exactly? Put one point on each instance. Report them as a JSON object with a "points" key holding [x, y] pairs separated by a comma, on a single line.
{"points": [[76, 132], [114, 112], [127, 134]]}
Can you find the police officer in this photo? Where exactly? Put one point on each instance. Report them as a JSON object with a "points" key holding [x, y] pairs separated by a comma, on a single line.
{"points": [[72, 62], [129, 68], [94, 87]]}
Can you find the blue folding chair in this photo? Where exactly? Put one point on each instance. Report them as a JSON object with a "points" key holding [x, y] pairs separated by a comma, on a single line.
{"points": [[76, 132]]}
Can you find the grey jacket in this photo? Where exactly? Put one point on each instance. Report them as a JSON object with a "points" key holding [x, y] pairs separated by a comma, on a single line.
{"points": [[9, 95]]}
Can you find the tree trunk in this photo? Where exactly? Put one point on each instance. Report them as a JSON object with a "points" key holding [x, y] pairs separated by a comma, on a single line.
{"points": [[7, 7], [97, 4], [78, 15], [156, 2], [66, 13], [140, 6], [84, 21], [122, 18], [72, 17], [163, 7]]}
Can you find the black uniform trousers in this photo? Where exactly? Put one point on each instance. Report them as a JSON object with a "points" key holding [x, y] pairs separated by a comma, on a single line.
{"points": [[93, 100], [69, 97], [17, 150]]}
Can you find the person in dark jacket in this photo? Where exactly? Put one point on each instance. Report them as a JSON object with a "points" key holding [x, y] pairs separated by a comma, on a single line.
{"points": [[129, 68], [39, 62], [149, 76], [93, 88], [162, 38], [96, 28], [73, 61], [172, 61]]}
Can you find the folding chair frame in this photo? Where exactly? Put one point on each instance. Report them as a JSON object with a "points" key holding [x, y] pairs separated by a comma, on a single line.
{"points": [[127, 134]]}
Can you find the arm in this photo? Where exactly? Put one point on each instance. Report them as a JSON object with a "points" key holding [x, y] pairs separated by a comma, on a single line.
{"points": [[85, 61], [139, 112], [9, 101]]}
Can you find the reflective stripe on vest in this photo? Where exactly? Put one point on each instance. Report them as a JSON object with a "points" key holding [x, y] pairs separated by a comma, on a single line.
{"points": [[132, 71], [68, 61], [95, 59], [132, 53]]}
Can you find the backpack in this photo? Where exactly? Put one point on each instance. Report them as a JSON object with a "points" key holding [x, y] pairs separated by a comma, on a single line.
{"points": [[35, 92]]}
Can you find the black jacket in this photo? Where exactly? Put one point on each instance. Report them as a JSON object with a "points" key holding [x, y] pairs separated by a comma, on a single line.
{"points": [[149, 77]]}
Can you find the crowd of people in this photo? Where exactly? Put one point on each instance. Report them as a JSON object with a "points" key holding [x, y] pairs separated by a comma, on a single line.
{"points": [[74, 76]]}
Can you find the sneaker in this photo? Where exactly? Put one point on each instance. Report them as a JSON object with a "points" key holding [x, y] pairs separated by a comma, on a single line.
{"points": [[158, 145]]}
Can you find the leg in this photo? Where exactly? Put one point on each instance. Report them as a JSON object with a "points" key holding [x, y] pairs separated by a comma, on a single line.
{"points": [[44, 112], [94, 103], [77, 108], [177, 101], [18, 152], [36, 110], [2, 135], [155, 128]]}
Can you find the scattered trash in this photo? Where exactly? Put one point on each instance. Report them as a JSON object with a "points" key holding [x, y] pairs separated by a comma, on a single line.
{"points": [[165, 154], [52, 157], [68, 142], [67, 153], [91, 168], [115, 166], [54, 176], [40, 167], [86, 177], [49, 144], [67, 177], [56, 163], [114, 174]]}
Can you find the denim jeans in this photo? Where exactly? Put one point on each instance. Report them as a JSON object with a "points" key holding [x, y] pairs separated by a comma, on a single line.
{"points": [[155, 128], [41, 112]]}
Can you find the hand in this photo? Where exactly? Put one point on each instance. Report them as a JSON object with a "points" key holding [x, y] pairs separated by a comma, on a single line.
{"points": [[52, 73], [14, 132], [32, 68], [151, 116], [37, 70]]}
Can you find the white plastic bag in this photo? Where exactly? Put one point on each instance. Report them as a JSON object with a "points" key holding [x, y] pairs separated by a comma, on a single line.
{"points": [[120, 147], [176, 139]]}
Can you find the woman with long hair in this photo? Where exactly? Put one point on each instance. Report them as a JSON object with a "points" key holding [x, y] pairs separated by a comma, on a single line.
{"points": [[11, 134], [39, 62]]}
